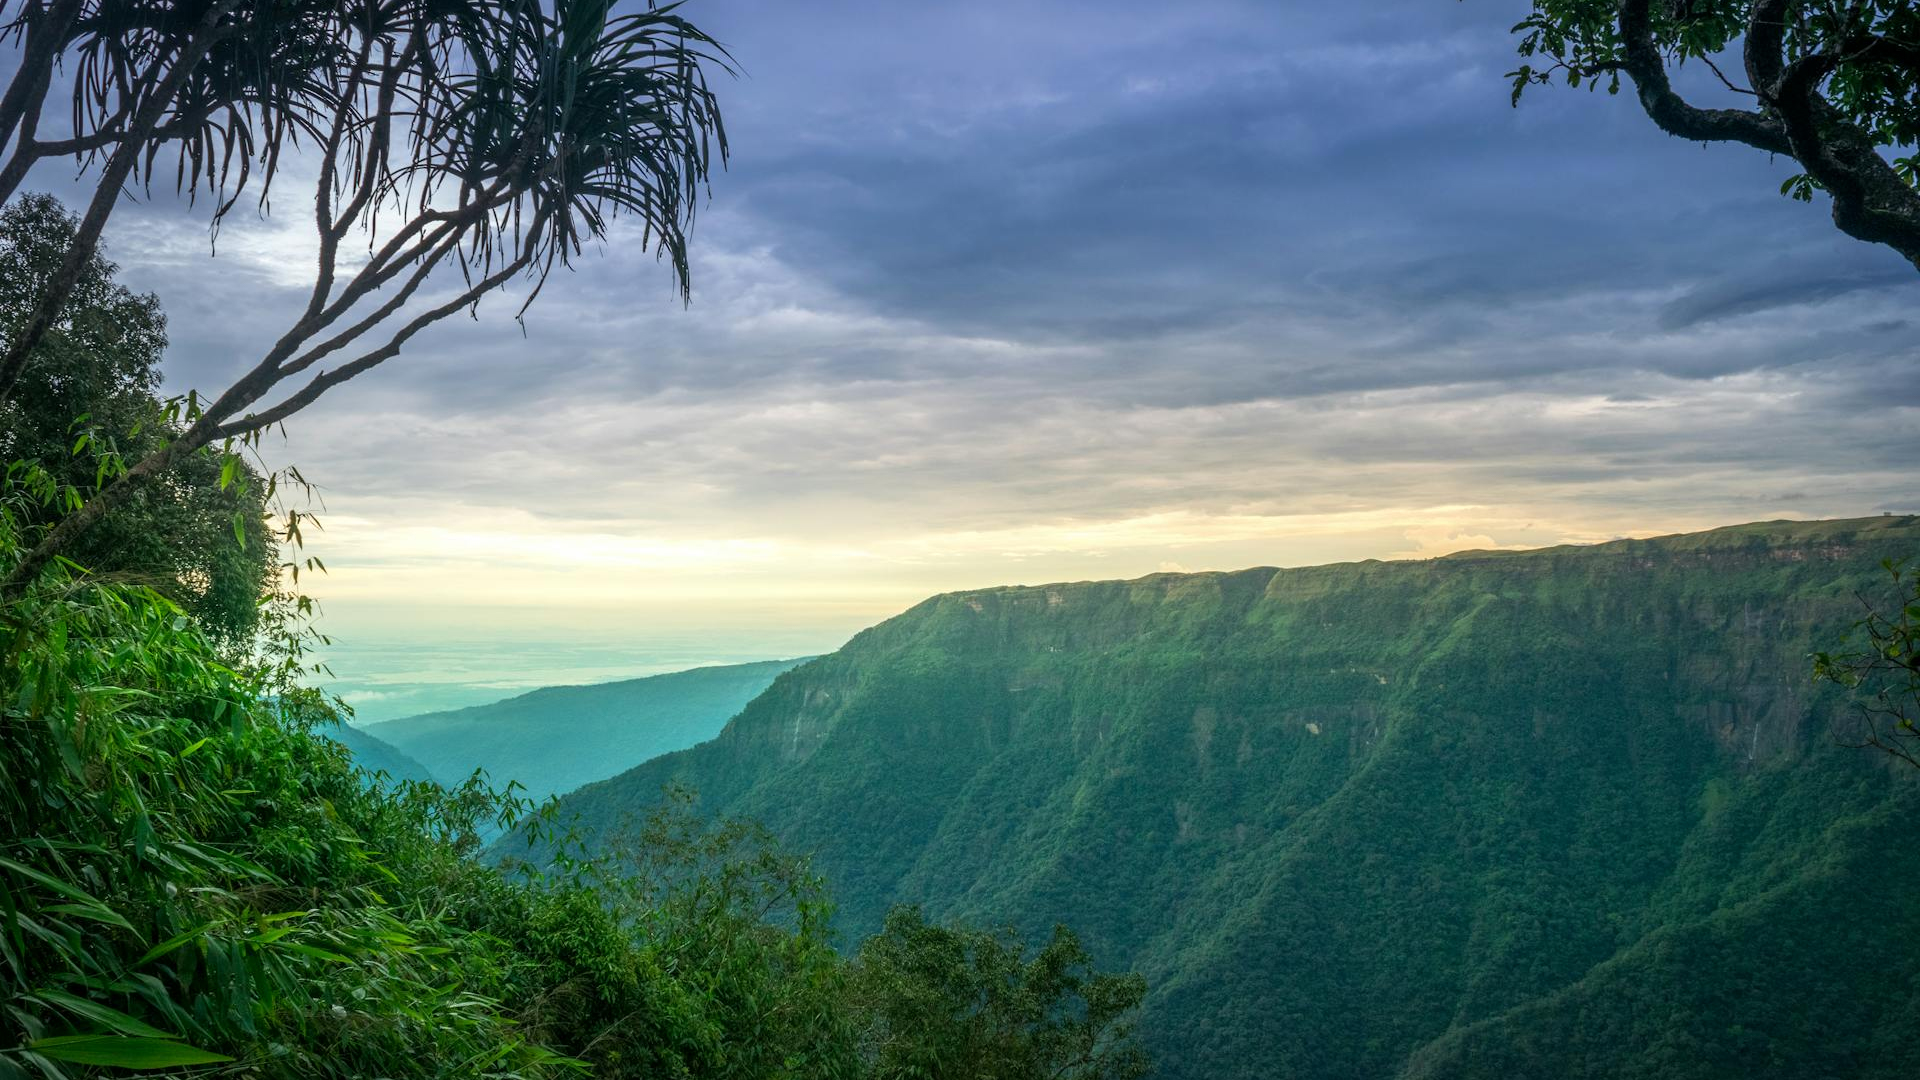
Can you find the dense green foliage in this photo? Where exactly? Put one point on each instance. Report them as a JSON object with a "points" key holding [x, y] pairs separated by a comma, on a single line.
{"points": [[557, 738], [87, 403], [191, 874], [1874, 80], [1880, 663], [1574, 812], [953, 1004], [184, 863]]}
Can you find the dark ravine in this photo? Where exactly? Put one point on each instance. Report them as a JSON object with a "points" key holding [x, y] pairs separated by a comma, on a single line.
{"points": [[1557, 813]]}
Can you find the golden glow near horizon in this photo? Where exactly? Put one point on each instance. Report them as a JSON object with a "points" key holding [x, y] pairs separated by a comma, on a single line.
{"points": [[561, 477], [957, 325], [503, 560]]}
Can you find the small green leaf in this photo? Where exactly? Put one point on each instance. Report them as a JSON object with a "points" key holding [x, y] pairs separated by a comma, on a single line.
{"points": [[171, 944], [313, 951]]}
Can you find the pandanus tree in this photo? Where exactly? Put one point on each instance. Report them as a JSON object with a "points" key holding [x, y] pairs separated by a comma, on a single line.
{"points": [[1833, 85], [455, 146]]}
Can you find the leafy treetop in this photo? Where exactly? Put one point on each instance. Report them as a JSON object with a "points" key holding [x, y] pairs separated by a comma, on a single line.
{"points": [[88, 402], [1833, 85]]}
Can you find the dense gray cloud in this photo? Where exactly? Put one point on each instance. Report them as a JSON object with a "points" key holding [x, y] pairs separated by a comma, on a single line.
{"points": [[1007, 289]]}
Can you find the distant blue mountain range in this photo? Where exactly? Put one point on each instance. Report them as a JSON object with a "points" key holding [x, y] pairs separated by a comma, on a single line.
{"points": [[558, 738]]}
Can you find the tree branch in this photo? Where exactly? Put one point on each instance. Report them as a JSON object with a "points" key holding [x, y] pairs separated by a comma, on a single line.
{"points": [[327, 380], [1672, 113], [1870, 201], [28, 89], [378, 315], [87, 237]]}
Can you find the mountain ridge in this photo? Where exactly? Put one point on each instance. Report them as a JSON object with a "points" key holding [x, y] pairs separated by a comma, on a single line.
{"points": [[376, 755], [1352, 818], [555, 738]]}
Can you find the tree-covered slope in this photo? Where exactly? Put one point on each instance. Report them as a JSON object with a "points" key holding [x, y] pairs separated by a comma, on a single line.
{"points": [[557, 738], [376, 755], [1556, 813], [195, 882]]}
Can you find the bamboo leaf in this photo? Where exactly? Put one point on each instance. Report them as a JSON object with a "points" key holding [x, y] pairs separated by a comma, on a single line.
{"points": [[99, 913], [314, 951], [171, 944], [124, 1051], [61, 887], [104, 1015]]}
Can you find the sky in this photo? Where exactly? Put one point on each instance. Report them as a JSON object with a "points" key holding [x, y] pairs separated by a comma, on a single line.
{"points": [[1016, 291]]}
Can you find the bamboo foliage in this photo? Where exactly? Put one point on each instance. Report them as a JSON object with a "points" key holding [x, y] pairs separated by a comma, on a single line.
{"points": [[188, 878]]}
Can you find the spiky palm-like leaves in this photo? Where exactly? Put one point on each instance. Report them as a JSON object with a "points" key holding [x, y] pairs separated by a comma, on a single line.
{"points": [[489, 137]]}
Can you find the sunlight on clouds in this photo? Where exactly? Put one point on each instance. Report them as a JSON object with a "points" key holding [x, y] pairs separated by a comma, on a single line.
{"points": [[747, 466], [1434, 541], [935, 345], [280, 251], [514, 559], [1171, 530]]}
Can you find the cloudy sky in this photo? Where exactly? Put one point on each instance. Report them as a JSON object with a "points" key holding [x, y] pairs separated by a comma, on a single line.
{"points": [[1021, 291]]}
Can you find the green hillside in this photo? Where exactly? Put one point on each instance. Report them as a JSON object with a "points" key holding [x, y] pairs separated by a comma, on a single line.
{"points": [[1571, 812], [557, 738], [376, 755]]}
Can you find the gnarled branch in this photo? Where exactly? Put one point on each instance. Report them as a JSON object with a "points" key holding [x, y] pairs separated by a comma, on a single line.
{"points": [[1870, 200], [1673, 113]]}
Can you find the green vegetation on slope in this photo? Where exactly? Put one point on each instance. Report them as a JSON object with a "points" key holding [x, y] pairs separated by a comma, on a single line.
{"points": [[192, 877], [1566, 812], [555, 739], [376, 756]]}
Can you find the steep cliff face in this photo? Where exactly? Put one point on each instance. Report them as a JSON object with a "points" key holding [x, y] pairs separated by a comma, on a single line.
{"points": [[1566, 812]]}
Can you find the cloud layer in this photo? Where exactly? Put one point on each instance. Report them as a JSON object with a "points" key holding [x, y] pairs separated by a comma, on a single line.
{"points": [[1011, 291]]}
